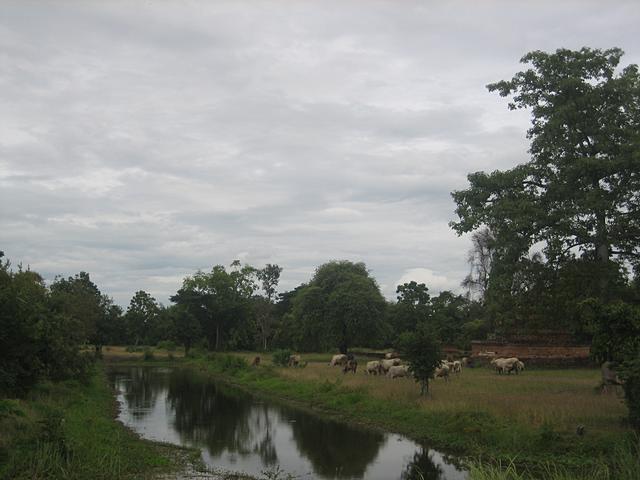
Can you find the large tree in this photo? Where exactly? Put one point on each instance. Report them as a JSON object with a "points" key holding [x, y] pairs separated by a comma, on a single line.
{"points": [[341, 307], [141, 315], [221, 301], [579, 193]]}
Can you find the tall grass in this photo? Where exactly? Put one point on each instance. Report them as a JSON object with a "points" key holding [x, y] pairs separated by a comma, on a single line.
{"points": [[624, 464], [68, 431]]}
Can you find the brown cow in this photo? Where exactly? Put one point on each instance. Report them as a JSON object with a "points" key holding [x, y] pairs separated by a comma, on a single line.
{"points": [[350, 366]]}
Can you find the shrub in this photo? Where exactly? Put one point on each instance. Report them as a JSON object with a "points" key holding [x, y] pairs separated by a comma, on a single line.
{"points": [[168, 345], [229, 363], [281, 357], [148, 354]]}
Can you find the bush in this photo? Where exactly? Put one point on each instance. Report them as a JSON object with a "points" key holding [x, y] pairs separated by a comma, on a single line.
{"points": [[229, 363], [281, 357], [148, 354], [168, 345]]}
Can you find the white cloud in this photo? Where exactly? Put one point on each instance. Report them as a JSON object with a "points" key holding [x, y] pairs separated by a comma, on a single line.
{"points": [[434, 282], [142, 142]]}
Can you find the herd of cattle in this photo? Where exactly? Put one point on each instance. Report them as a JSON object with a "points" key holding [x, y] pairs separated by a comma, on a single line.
{"points": [[393, 367]]}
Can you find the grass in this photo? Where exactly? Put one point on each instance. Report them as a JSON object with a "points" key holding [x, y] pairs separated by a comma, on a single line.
{"points": [[530, 419], [68, 431]]}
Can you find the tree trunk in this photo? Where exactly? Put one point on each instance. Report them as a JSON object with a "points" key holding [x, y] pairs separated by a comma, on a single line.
{"points": [[603, 252]]}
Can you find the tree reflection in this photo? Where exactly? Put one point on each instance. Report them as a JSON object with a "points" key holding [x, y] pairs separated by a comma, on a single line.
{"points": [[422, 467], [141, 392], [335, 450], [219, 418]]}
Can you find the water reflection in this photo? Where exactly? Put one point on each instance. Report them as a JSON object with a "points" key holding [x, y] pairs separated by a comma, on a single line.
{"points": [[236, 431], [334, 449]]}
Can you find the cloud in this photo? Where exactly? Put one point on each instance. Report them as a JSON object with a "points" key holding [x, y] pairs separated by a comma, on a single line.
{"points": [[143, 142]]}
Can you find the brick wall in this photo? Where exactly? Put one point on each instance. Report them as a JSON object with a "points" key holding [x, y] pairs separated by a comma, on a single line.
{"points": [[532, 354]]}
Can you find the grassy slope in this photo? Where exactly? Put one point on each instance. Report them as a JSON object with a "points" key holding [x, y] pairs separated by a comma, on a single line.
{"points": [[531, 418], [67, 431]]}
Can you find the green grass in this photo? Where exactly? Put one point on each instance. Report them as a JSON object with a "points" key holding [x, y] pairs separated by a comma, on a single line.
{"points": [[528, 421], [68, 431]]}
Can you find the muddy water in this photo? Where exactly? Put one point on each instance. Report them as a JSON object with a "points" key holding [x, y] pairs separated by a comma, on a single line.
{"points": [[239, 432]]}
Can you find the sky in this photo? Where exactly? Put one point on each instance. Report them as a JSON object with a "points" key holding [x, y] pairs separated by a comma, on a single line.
{"points": [[141, 141]]}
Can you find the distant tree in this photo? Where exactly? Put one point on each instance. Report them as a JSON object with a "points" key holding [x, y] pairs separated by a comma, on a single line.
{"points": [[269, 276], [421, 349], [186, 326], [341, 307], [480, 258], [221, 301], [81, 299], [413, 306], [141, 315]]}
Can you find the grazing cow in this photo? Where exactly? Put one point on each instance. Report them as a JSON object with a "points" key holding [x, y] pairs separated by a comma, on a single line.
{"points": [[373, 368], [350, 366], [295, 360], [339, 359], [398, 371], [504, 365], [518, 367], [442, 372], [387, 364], [256, 361], [609, 377], [456, 366]]}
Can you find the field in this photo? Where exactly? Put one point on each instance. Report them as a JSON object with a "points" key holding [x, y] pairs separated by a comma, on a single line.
{"points": [[509, 427], [559, 398]]}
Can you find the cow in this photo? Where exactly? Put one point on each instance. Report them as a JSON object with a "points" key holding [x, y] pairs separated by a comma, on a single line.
{"points": [[609, 377], [350, 366], [339, 359], [387, 364], [398, 371], [442, 372], [294, 360], [373, 368]]}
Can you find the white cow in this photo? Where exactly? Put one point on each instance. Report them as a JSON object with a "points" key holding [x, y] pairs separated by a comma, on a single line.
{"points": [[398, 371], [387, 364], [339, 359], [373, 368]]}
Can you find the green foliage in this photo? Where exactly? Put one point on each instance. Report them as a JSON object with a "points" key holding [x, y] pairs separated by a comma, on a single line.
{"points": [[421, 349], [141, 316], [281, 357], [148, 355], [616, 337], [40, 334], [168, 345], [221, 302], [341, 307], [67, 431], [576, 198]]}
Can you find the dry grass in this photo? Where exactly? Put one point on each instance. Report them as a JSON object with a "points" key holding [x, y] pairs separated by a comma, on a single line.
{"points": [[563, 398]]}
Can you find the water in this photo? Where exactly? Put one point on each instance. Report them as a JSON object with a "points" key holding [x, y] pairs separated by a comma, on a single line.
{"points": [[239, 432]]}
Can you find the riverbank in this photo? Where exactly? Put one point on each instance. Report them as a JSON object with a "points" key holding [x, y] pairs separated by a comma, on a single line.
{"points": [[68, 431], [474, 432]]}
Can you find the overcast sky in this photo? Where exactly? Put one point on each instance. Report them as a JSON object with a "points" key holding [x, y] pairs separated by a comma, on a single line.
{"points": [[142, 141]]}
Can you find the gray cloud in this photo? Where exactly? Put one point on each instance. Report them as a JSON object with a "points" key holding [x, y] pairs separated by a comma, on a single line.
{"points": [[141, 142]]}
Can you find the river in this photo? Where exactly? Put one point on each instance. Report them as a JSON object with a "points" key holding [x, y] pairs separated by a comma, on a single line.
{"points": [[240, 432]]}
